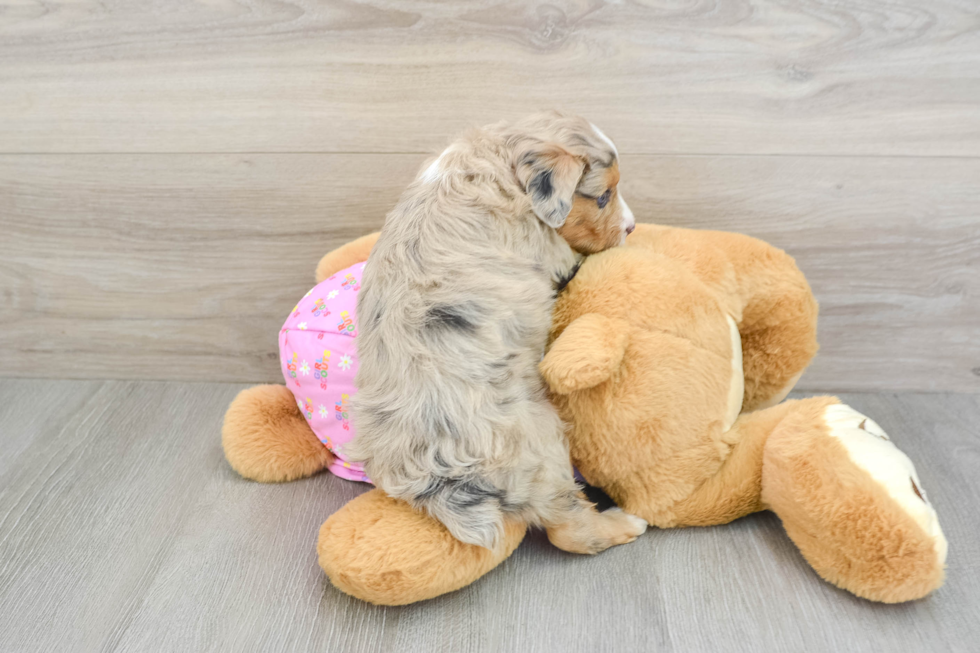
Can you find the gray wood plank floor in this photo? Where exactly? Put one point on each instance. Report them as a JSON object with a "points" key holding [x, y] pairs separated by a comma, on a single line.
{"points": [[122, 529]]}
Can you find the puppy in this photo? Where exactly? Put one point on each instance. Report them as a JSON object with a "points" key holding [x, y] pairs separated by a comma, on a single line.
{"points": [[454, 311]]}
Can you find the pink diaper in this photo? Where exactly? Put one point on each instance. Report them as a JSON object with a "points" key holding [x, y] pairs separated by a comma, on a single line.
{"points": [[319, 361]]}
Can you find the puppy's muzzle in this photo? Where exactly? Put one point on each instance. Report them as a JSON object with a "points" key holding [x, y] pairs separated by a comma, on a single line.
{"points": [[629, 223]]}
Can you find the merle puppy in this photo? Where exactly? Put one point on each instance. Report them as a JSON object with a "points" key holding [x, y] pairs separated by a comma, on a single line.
{"points": [[455, 306]]}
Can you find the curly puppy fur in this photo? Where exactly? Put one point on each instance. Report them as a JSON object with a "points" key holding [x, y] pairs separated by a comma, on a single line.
{"points": [[453, 316]]}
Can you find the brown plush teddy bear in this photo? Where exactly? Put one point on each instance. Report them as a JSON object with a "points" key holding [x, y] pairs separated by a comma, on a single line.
{"points": [[669, 359]]}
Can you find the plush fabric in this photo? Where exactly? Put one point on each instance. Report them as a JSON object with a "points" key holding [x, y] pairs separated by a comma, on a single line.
{"points": [[267, 440], [641, 369], [380, 550], [356, 251], [849, 527], [669, 359]]}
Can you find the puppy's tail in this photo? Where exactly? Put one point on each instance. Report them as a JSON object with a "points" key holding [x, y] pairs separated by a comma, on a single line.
{"points": [[469, 508]]}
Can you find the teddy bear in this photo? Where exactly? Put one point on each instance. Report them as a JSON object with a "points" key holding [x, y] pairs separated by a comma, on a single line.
{"points": [[669, 358]]}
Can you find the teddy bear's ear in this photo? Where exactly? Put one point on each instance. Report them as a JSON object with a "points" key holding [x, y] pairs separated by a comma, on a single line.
{"points": [[356, 251], [586, 354]]}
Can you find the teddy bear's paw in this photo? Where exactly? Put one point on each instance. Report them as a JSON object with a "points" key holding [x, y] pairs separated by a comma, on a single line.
{"points": [[870, 448], [591, 532], [266, 439], [852, 502]]}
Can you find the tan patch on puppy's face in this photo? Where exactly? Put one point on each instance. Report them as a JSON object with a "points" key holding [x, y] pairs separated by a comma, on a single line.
{"points": [[596, 221]]}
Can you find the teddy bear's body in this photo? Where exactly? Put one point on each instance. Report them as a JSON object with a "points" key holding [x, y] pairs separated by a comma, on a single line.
{"points": [[669, 358], [674, 378], [675, 413]]}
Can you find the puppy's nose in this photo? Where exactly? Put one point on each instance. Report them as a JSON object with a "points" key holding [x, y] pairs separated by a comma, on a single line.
{"points": [[629, 222]]}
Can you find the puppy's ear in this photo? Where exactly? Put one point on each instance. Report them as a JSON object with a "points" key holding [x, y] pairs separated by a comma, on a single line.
{"points": [[550, 175], [587, 353]]}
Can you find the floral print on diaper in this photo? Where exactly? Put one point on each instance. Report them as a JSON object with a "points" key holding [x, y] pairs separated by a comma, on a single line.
{"points": [[318, 352]]}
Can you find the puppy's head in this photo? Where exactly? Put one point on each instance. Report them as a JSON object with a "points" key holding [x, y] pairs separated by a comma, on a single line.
{"points": [[570, 172]]}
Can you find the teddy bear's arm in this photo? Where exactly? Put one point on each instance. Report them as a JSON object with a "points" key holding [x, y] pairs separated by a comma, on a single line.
{"points": [[763, 290], [779, 317], [773, 304], [587, 352], [345, 256]]}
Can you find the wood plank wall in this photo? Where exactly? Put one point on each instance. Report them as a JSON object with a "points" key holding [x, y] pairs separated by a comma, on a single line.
{"points": [[170, 171]]}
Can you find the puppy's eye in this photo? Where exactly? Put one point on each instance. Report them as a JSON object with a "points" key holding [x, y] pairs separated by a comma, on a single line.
{"points": [[603, 199]]}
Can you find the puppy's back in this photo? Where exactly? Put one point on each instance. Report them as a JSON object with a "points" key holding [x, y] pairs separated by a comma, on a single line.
{"points": [[454, 312]]}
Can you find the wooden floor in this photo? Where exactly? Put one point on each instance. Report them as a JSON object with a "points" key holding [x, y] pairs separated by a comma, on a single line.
{"points": [[123, 529]]}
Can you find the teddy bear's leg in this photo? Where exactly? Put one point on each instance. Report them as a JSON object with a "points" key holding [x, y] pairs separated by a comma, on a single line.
{"points": [[266, 439], [345, 256], [760, 402], [852, 503], [381, 550], [779, 322], [735, 490]]}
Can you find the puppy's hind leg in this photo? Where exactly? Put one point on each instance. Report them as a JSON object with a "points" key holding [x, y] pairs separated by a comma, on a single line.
{"points": [[583, 529]]}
